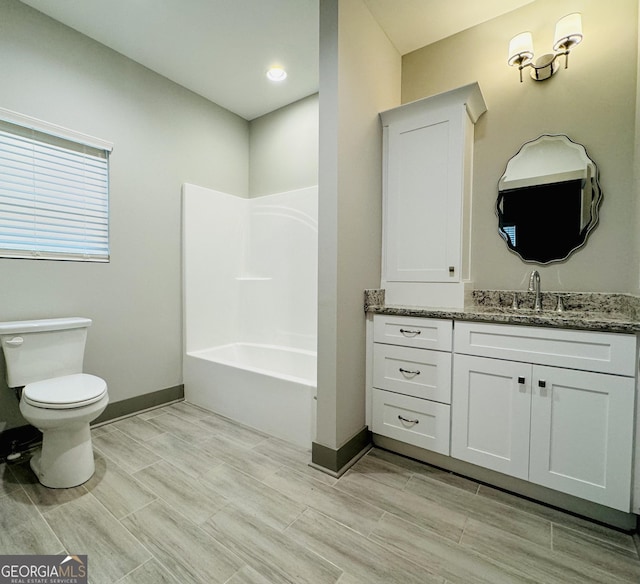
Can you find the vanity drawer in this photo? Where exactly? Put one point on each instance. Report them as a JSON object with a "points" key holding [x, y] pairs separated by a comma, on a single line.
{"points": [[414, 421], [416, 372], [423, 333], [586, 350]]}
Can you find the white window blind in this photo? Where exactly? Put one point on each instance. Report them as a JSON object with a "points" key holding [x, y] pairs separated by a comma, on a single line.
{"points": [[54, 192]]}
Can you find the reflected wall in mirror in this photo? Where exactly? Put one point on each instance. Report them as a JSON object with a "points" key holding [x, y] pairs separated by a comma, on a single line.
{"points": [[548, 199]]}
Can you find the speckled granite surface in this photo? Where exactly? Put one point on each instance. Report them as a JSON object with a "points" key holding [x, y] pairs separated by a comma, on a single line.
{"points": [[373, 298], [586, 311]]}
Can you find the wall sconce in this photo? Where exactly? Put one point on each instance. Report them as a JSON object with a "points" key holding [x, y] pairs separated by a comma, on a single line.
{"points": [[568, 34]]}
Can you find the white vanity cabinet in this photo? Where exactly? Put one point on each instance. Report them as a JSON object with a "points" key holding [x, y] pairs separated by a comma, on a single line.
{"points": [[411, 392], [427, 155], [551, 406], [491, 420]]}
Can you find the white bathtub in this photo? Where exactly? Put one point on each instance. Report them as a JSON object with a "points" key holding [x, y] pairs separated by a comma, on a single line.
{"points": [[268, 387]]}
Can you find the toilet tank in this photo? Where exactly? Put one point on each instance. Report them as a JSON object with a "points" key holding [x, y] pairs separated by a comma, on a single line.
{"points": [[40, 349]]}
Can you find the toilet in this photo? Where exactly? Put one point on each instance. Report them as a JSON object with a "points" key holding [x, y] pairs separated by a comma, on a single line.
{"points": [[45, 358]]}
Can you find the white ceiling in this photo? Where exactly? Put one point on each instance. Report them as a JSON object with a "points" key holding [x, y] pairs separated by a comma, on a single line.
{"points": [[221, 49], [412, 24]]}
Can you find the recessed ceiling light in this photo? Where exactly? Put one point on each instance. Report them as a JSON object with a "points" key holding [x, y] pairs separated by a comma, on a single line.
{"points": [[277, 74]]}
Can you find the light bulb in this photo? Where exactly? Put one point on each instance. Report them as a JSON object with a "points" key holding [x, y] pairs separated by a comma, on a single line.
{"points": [[277, 74]]}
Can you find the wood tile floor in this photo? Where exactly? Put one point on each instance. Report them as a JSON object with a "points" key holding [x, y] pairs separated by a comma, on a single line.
{"points": [[181, 495]]}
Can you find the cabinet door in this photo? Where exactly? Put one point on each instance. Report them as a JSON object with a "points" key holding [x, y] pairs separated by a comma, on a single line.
{"points": [[581, 434], [423, 197], [490, 414]]}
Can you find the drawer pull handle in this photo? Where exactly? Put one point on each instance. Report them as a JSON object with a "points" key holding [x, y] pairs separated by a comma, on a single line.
{"points": [[542, 383], [407, 372], [521, 380], [407, 420], [407, 332]]}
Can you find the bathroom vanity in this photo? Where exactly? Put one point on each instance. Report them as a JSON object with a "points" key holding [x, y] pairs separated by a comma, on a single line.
{"points": [[543, 404], [534, 393]]}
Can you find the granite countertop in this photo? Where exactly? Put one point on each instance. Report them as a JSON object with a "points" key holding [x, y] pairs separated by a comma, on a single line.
{"points": [[618, 313]]}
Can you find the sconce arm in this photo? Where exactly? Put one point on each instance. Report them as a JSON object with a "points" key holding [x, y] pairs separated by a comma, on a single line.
{"points": [[545, 66]]}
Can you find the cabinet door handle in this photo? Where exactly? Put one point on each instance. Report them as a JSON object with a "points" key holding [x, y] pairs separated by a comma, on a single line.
{"points": [[452, 270], [521, 380], [407, 332], [407, 420], [407, 372], [542, 383]]}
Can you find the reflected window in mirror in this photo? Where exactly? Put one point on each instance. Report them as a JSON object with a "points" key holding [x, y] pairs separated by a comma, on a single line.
{"points": [[548, 199]]}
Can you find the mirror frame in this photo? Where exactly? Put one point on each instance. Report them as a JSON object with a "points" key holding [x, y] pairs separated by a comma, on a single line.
{"points": [[595, 205]]}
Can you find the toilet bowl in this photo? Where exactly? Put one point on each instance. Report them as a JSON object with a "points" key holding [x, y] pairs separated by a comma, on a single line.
{"points": [[62, 409], [44, 358]]}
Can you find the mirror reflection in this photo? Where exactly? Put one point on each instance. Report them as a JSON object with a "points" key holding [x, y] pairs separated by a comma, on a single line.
{"points": [[548, 199]]}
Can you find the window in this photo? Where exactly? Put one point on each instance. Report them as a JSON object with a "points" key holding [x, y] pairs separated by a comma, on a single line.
{"points": [[54, 192]]}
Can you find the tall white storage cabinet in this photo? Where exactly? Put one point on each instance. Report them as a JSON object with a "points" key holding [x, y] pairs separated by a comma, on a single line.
{"points": [[427, 165]]}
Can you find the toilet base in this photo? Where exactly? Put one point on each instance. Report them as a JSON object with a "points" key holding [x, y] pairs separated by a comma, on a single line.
{"points": [[65, 459]]}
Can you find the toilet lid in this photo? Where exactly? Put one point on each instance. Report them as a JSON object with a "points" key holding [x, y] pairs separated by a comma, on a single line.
{"points": [[67, 392]]}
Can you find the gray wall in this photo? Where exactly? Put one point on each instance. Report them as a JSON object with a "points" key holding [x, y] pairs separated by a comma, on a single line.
{"points": [[636, 170], [164, 135], [593, 101], [359, 77], [283, 149]]}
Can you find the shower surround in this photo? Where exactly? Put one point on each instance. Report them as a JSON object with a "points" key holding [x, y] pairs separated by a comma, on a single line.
{"points": [[250, 308]]}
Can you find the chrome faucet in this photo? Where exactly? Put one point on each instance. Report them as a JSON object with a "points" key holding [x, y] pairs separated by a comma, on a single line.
{"points": [[534, 286]]}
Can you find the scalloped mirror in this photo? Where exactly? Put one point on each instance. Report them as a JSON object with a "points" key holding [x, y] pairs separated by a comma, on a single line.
{"points": [[548, 199]]}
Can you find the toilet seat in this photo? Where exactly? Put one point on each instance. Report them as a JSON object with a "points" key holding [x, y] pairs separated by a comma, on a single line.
{"points": [[66, 392]]}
